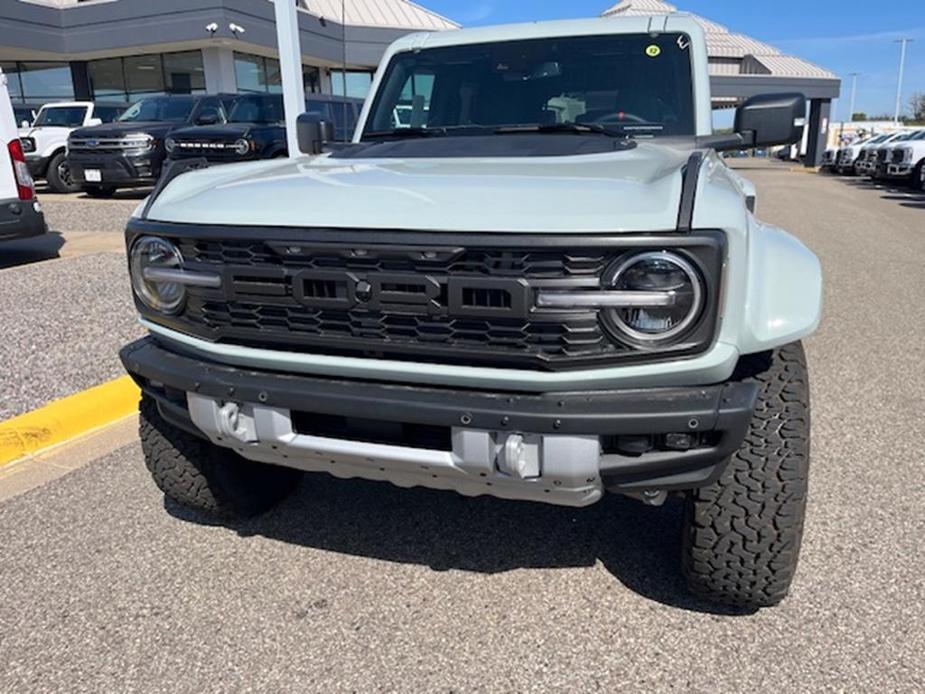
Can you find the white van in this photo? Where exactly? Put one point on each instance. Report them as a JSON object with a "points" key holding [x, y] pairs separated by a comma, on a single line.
{"points": [[20, 212]]}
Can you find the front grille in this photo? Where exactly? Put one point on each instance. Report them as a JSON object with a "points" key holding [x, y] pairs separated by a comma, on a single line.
{"points": [[899, 156], [882, 155], [108, 144], [447, 304], [213, 149]]}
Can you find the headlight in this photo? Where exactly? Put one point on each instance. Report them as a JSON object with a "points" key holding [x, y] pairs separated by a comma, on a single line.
{"points": [[242, 146], [137, 141], [149, 255], [170, 144], [658, 272]]}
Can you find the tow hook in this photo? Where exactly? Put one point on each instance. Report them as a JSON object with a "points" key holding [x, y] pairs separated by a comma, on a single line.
{"points": [[234, 425]]}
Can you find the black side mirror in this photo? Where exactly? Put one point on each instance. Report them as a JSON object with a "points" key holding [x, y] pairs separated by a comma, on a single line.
{"points": [[313, 133], [771, 119], [207, 119]]}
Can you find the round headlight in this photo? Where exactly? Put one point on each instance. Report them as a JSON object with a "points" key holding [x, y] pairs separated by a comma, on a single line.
{"points": [[150, 253], [655, 273], [242, 146], [170, 144]]}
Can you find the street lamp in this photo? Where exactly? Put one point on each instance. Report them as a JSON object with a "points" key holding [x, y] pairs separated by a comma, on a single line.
{"points": [[854, 93], [902, 69]]}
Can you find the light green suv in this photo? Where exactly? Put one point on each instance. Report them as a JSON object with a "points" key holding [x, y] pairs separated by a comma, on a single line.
{"points": [[530, 276]]}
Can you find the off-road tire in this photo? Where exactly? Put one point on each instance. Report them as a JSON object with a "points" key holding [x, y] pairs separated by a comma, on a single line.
{"points": [[99, 191], [206, 477], [56, 182], [742, 534]]}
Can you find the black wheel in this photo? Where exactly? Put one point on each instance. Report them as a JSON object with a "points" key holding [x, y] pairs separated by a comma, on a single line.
{"points": [[99, 191], [916, 181], [200, 475], [58, 175], [742, 534]]}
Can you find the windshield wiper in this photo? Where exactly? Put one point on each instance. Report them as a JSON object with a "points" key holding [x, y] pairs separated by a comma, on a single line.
{"points": [[403, 133], [578, 128]]}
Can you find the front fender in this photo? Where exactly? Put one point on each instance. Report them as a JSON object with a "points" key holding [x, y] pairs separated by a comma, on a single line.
{"points": [[784, 297]]}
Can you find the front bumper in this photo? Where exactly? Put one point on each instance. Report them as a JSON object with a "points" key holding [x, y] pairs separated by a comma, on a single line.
{"points": [[21, 219], [899, 170], [37, 165], [117, 169], [560, 448]]}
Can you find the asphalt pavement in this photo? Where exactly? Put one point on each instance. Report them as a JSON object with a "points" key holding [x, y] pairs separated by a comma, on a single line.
{"points": [[360, 586]]}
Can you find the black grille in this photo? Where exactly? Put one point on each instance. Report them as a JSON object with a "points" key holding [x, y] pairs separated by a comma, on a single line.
{"points": [[446, 304], [898, 156]]}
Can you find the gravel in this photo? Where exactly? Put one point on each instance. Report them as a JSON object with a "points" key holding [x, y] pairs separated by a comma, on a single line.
{"points": [[68, 213], [358, 586], [63, 324]]}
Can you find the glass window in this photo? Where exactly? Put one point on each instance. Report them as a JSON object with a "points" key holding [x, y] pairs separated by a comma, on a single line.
{"points": [[107, 78], [144, 73], [157, 73], [107, 114], [184, 73], [311, 79], [61, 116], [635, 84], [255, 108], [46, 81], [250, 72], [160, 109], [358, 83], [13, 85]]}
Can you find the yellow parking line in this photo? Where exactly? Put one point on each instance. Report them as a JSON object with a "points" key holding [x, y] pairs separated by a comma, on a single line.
{"points": [[65, 419]]}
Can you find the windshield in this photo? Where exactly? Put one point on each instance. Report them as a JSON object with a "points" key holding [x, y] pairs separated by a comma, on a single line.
{"points": [[160, 109], [61, 116], [632, 84], [257, 109]]}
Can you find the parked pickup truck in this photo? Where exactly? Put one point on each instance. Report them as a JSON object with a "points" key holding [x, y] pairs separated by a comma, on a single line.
{"points": [[848, 155], [256, 128], [541, 283], [907, 159], [883, 155], [129, 152], [866, 163], [45, 141], [20, 213]]}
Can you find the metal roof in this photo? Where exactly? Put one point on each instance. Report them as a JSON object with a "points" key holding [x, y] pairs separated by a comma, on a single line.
{"points": [[723, 46], [393, 14]]}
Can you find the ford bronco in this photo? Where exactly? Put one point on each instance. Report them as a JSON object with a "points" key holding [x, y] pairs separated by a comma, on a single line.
{"points": [[529, 276]]}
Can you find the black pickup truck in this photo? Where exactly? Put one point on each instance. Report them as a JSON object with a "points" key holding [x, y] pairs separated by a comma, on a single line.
{"points": [[255, 128], [129, 152]]}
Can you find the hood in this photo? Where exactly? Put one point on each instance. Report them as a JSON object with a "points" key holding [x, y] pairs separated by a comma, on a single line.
{"points": [[107, 130], [228, 131], [633, 190]]}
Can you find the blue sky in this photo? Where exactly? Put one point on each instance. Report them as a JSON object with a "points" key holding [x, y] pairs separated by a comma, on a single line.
{"points": [[844, 36]]}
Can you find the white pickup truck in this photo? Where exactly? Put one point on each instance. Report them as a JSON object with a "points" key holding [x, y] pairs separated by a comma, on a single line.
{"points": [[45, 141], [907, 160]]}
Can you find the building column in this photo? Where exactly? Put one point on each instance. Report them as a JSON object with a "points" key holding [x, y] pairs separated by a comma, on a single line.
{"points": [[218, 63], [818, 129], [80, 78]]}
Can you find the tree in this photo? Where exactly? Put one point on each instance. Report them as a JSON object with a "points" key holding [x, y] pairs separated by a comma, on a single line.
{"points": [[917, 106], [860, 116]]}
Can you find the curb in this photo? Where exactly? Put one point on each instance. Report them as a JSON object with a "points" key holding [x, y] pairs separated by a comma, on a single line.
{"points": [[65, 419]]}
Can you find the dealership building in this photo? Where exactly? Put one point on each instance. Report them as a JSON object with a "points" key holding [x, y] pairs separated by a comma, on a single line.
{"points": [[126, 49]]}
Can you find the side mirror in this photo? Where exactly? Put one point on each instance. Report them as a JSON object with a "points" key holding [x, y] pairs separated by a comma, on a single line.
{"points": [[25, 124], [313, 133], [207, 119], [771, 119], [94, 121]]}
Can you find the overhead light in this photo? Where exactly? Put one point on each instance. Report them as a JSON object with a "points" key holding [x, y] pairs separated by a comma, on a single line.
{"points": [[212, 28], [236, 28]]}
